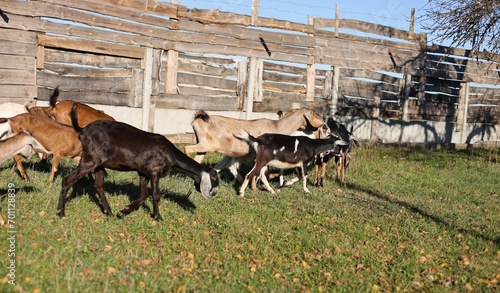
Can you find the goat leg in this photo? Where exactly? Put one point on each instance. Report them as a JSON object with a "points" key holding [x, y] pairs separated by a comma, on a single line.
{"points": [[316, 172], [255, 170], [323, 173], [55, 164], [138, 202], [156, 198], [303, 172], [68, 182], [22, 171], [99, 185], [264, 180]]}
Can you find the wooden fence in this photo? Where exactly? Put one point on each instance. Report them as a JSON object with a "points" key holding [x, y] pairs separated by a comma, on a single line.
{"points": [[152, 55]]}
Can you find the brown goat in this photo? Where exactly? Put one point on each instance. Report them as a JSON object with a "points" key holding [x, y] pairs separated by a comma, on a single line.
{"points": [[43, 111], [86, 114], [58, 139]]}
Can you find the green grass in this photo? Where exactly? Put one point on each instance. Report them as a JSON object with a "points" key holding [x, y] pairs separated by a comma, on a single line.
{"points": [[408, 220]]}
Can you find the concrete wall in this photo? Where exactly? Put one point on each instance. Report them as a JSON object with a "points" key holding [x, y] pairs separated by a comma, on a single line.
{"points": [[387, 131]]}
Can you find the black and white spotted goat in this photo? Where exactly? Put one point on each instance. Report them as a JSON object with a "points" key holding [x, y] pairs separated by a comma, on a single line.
{"points": [[285, 152], [342, 158], [119, 146]]}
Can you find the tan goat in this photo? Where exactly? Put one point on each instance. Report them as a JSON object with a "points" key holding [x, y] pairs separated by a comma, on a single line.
{"points": [[86, 114], [216, 133], [21, 144], [58, 139]]}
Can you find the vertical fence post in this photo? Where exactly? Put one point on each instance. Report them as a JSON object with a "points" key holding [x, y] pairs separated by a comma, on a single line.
{"points": [[335, 89], [259, 70], [406, 96], [155, 86], [311, 70], [251, 87], [172, 67], [374, 119], [463, 105], [146, 87], [241, 83]]}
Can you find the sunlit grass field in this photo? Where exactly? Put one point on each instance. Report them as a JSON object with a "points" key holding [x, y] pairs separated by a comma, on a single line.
{"points": [[408, 220]]}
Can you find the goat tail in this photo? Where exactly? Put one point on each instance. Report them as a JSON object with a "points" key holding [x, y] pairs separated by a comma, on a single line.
{"points": [[3, 120], [54, 96], [202, 115], [74, 119], [249, 139]]}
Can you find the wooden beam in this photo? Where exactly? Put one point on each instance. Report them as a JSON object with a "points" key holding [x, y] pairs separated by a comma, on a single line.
{"points": [[463, 105], [172, 68], [311, 71], [251, 87], [146, 89], [255, 12], [406, 95], [90, 46], [335, 89]]}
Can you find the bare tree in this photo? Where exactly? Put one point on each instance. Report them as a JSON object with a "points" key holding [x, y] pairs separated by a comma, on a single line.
{"points": [[465, 23]]}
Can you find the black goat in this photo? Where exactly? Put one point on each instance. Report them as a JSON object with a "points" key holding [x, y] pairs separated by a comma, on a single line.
{"points": [[119, 146], [342, 159], [285, 152]]}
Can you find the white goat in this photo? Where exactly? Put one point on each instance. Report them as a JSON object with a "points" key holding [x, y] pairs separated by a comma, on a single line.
{"points": [[20, 144], [8, 110]]}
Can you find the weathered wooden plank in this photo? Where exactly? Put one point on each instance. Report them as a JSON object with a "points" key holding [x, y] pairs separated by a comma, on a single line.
{"points": [[207, 59], [94, 60], [17, 62], [208, 81], [152, 6], [91, 46], [18, 36], [196, 103], [235, 51], [109, 84], [213, 36], [384, 59], [207, 69], [269, 66], [207, 92], [280, 101], [93, 20], [283, 87], [21, 77], [15, 48], [71, 69], [367, 74], [368, 27], [21, 92], [440, 49], [87, 96], [284, 78], [244, 33]]}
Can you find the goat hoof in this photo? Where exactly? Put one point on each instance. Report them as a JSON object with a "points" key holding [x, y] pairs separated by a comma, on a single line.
{"points": [[120, 215], [158, 218], [60, 214]]}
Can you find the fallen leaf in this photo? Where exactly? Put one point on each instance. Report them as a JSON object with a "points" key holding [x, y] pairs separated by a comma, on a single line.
{"points": [[111, 270]]}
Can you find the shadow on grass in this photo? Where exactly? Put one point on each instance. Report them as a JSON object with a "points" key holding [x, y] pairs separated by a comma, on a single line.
{"points": [[423, 213], [131, 190]]}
